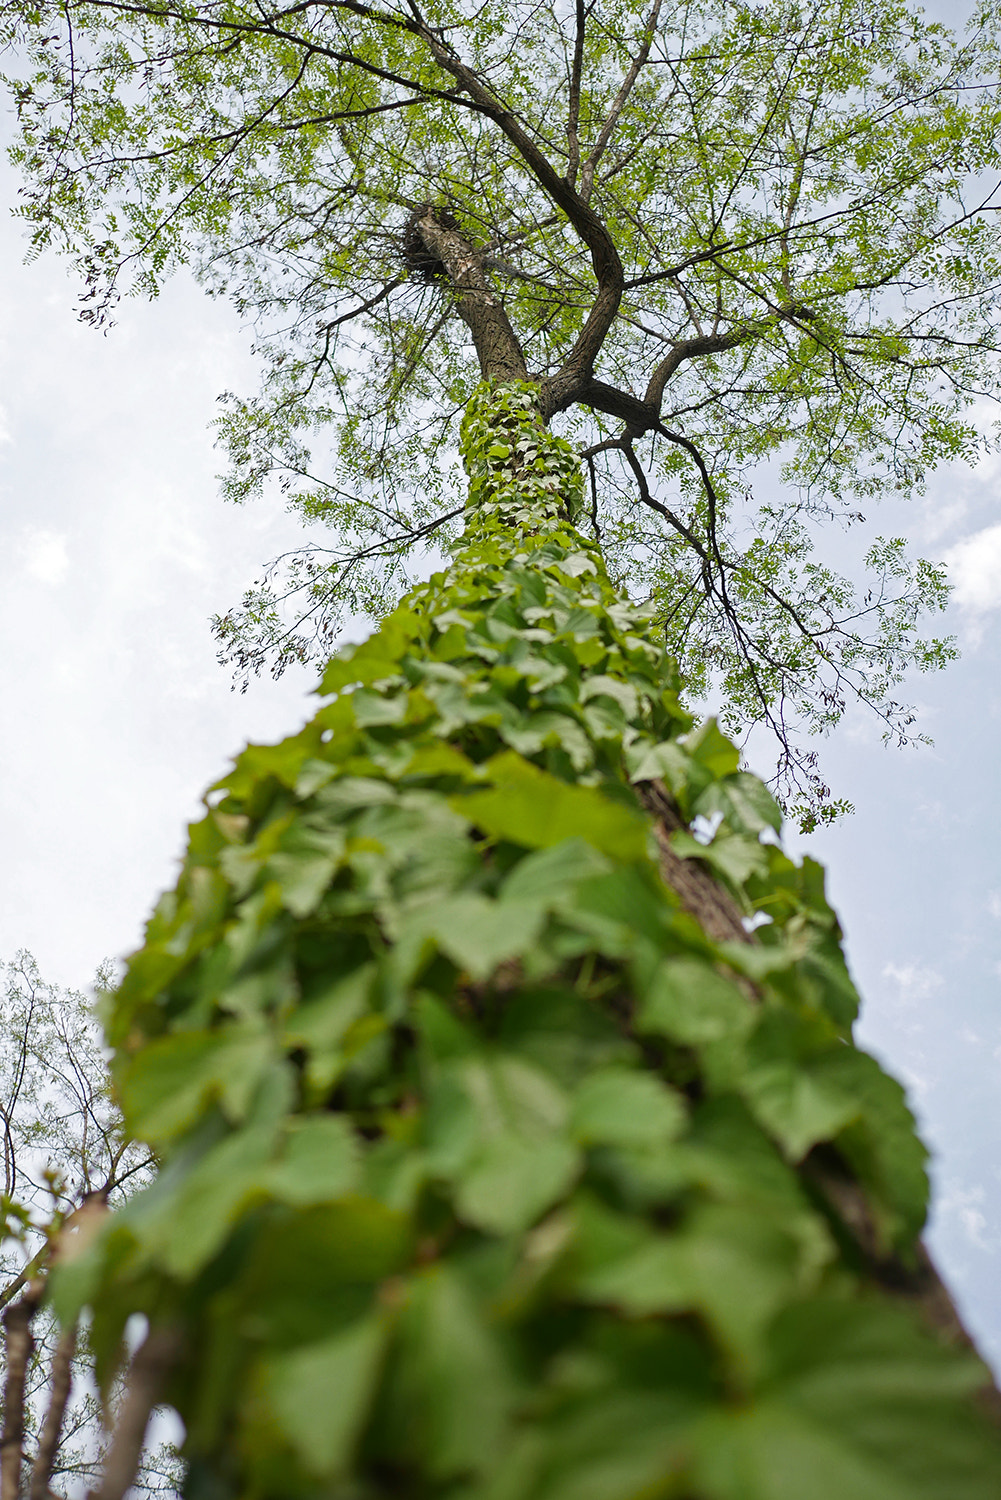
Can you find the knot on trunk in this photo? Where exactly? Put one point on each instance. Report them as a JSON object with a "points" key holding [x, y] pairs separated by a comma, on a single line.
{"points": [[419, 260]]}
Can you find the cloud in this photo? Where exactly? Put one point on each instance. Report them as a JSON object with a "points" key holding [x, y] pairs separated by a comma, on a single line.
{"points": [[968, 1206], [974, 566], [994, 904], [915, 982], [45, 556]]}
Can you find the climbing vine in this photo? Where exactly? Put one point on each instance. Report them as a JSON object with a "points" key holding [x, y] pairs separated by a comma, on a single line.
{"points": [[488, 1169]]}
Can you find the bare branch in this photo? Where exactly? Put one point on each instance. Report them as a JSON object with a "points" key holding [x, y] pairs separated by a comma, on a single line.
{"points": [[19, 1345], [605, 134], [48, 1441], [147, 1376]]}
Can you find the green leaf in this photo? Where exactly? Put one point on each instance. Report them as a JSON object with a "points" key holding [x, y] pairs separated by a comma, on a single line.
{"points": [[735, 855], [320, 1161], [623, 1107], [452, 1389], [317, 1398], [798, 1104], [534, 809], [511, 1182], [856, 1402], [709, 748], [744, 802], [666, 761], [689, 1002], [193, 1221], [171, 1081], [374, 660], [476, 932], [547, 875]]}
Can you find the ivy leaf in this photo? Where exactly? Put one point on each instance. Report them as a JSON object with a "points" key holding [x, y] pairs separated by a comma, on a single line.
{"points": [[320, 1162], [856, 1402], [512, 1181], [623, 1107], [477, 933], [744, 802], [547, 875], [452, 1390], [667, 761], [736, 856], [689, 1002], [374, 660], [797, 1104], [190, 1227], [316, 1398], [167, 1085], [532, 808], [710, 749]]}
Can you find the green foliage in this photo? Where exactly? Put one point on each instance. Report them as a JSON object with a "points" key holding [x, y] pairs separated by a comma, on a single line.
{"points": [[806, 290], [487, 1173]]}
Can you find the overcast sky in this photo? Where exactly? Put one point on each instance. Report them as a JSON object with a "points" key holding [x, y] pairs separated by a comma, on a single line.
{"points": [[114, 551]]}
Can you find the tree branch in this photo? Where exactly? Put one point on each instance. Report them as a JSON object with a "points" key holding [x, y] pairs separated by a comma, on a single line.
{"points": [[148, 1373], [48, 1440], [19, 1345], [605, 134]]}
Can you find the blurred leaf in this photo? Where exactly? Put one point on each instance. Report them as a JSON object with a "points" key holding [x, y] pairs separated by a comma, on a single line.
{"points": [[511, 1181], [318, 1397], [623, 1107], [689, 1002], [320, 1161], [536, 810], [165, 1087]]}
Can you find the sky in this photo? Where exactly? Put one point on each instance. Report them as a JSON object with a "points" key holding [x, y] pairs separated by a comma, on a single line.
{"points": [[115, 549]]}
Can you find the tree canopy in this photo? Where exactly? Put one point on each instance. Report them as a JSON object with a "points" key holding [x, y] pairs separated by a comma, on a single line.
{"points": [[730, 243]]}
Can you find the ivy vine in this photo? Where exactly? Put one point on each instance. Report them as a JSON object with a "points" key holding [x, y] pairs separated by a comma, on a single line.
{"points": [[486, 1171]]}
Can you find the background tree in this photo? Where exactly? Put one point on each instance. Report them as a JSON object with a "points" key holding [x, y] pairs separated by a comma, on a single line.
{"points": [[66, 1162], [500, 1159]]}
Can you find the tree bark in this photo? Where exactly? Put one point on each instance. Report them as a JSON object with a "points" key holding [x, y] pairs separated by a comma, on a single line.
{"points": [[479, 307], [918, 1285]]}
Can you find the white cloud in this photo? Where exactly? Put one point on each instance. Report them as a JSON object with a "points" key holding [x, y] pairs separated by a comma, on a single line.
{"points": [[974, 566], [45, 556], [915, 982], [968, 1206], [994, 904]]}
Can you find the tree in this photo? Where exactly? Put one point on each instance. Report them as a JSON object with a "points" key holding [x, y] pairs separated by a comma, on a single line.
{"points": [[722, 237], [66, 1161], [514, 1138]]}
